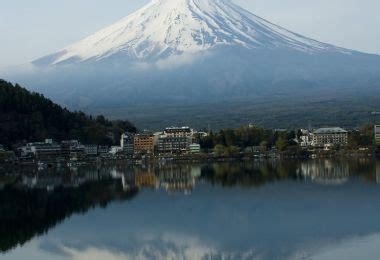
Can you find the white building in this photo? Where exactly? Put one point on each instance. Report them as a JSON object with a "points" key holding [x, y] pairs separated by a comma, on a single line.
{"points": [[46, 151], [324, 137], [306, 138], [377, 134], [115, 149]]}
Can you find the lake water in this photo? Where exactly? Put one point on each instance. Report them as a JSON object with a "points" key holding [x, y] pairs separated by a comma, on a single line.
{"points": [[317, 209]]}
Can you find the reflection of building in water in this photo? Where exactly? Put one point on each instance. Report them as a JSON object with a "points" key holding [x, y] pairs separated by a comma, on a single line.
{"points": [[145, 179], [46, 182], [171, 177], [326, 172], [71, 179], [128, 181], [196, 171], [176, 178], [378, 172]]}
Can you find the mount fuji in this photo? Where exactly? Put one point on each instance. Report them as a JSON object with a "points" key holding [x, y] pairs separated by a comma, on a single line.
{"points": [[208, 61]]}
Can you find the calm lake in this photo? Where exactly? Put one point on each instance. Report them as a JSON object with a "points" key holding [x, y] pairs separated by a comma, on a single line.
{"points": [[316, 209]]}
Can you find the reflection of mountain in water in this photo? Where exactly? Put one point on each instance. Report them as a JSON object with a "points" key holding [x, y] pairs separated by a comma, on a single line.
{"points": [[290, 217], [31, 204]]}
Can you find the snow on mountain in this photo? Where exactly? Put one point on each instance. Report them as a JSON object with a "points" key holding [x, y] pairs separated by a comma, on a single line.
{"points": [[194, 60], [166, 27]]}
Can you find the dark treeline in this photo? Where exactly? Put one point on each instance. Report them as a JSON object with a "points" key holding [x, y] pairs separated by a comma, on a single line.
{"points": [[27, 116], [249, 136], [365, 136]]}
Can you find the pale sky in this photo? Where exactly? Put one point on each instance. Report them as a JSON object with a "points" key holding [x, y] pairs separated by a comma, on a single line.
{"points": [[31, 29]]}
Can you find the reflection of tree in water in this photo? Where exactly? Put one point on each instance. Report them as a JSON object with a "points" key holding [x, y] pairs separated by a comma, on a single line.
{"points": [[365, 167], [322, 171], [26, 213], [337, 172], [29, 209], [250, 173]]}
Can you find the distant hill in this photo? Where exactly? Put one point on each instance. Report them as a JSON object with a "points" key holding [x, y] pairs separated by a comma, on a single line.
{"points": [[28, 116]]}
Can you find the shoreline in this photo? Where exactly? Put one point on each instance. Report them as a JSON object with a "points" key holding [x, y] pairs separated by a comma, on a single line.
{"points": [[194, 158]]}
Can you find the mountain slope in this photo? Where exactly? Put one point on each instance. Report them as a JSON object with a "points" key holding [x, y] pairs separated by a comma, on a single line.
{"points": [[26, 116], [202, 53], [167, 27]]}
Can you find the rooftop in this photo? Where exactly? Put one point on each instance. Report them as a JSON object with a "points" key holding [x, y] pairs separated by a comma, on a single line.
{"points": [[143, 136], [330, 130], [175, 129]]}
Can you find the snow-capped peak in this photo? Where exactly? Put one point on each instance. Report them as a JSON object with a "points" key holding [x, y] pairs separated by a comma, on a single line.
{"points": [[166, 27]]}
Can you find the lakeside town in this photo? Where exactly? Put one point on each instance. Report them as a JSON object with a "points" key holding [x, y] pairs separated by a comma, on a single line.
{"points": [[184, 143]]}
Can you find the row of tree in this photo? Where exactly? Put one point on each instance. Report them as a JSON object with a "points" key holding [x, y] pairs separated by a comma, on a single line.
{"points": [[27, 116], [249, 136], [229, 141]]}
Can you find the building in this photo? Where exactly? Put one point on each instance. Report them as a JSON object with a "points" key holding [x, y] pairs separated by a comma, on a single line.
{"points": [[115, 150], [143, 143], [329, 136], [69, 147], [377, 134], [195, 148], [47, 151], [91, 149], [305, 138], [103, 150], [173, 145], [175, 140], [127, 143], [184, 131]]}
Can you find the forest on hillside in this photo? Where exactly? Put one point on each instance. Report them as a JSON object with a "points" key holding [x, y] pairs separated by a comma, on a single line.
{"points": [[26, 116]]}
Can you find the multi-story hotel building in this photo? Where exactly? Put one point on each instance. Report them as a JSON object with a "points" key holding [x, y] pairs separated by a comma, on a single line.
{"points": [[143, 143], [329, 136], [175, 140]]}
